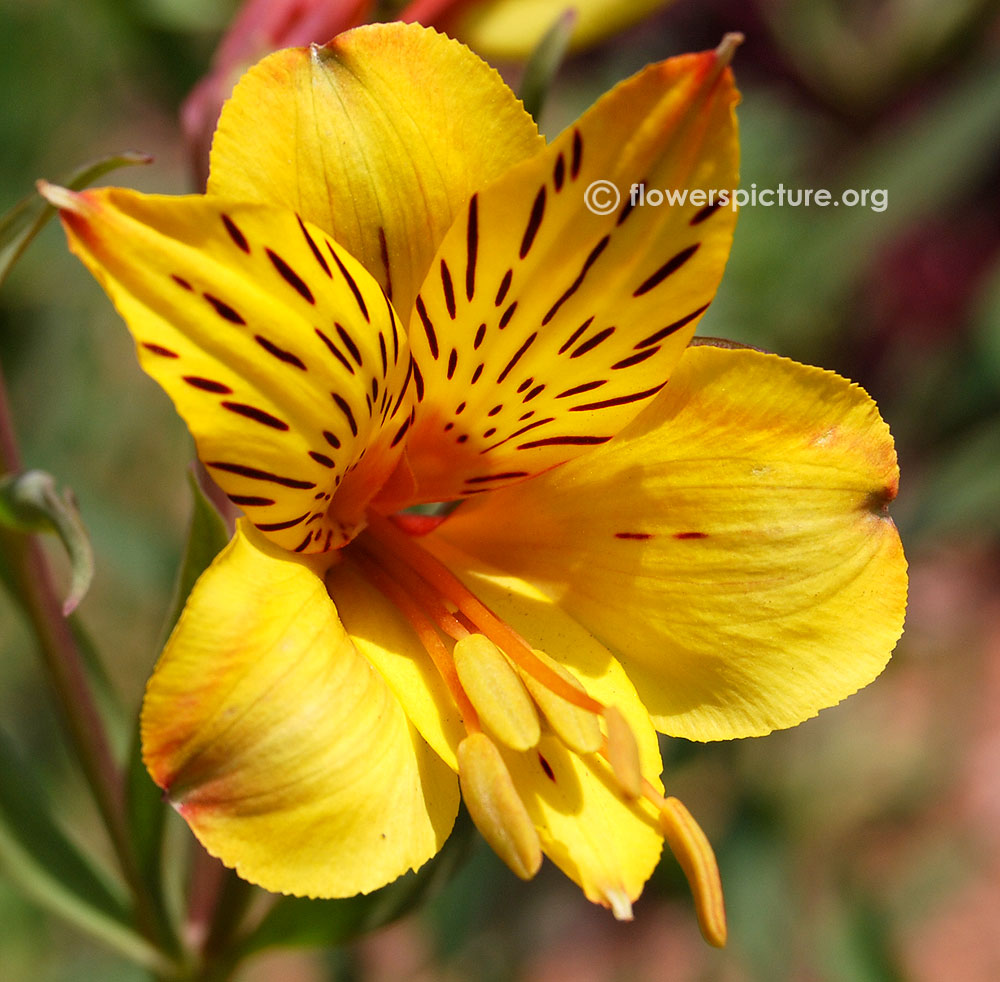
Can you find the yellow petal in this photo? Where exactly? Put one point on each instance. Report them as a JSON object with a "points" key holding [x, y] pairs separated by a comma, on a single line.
{"points": [[512, 28], [588, 828], [280, 745], [384, 637], [379, 138], [279, 351], [731, 546], [543, 327]]}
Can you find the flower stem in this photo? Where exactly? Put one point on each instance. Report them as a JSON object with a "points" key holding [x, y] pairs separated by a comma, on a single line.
{"points": [[33, 587]]}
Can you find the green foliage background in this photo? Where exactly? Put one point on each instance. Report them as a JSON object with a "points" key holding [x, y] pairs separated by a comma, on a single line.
{"points": [[861, 846]]}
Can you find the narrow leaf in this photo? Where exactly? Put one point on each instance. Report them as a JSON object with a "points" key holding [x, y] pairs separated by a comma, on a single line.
{"points": [[29, 216], [48, 867]]}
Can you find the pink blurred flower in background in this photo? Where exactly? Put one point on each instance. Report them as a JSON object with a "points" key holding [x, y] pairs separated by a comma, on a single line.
{"points": [[495, 28]]}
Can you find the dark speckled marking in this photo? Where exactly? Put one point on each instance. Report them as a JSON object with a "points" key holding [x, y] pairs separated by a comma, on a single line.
{"points": [[257, 415], [314, 249], [334, 350], [224, 310], [349, 344], [252, 472], [345, 408], [235, 234], [158, 349], [290, 276], [578, 282], [574, 167], [471, 247], [534, 222], [517, 357], [208, 385], [285, 356], [432, 341], [504, 287], [349, 280], [665, 332], [670, 266]]}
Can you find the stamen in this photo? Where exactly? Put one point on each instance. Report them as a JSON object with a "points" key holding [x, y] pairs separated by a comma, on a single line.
{"points": [[424, 630], [577, 728], [496, 690], [623, 753], [400, 546], [420, 590], [694, 854], [496, 807]]}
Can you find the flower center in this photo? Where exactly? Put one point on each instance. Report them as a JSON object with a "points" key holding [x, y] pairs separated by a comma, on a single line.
{"points": [[502, 688]]}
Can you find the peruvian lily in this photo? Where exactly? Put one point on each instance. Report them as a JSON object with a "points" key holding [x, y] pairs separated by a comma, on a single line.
{"points": [[394, 294]]}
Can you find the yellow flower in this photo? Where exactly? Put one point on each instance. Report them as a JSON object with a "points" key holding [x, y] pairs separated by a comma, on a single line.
{"points": [[512, 28], [393, 293]]}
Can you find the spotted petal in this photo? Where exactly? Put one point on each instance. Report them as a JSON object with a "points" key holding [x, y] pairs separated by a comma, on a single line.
{"points": [[280, 745], [543, 327], [280, 352], [379, 138], [731, 546]]}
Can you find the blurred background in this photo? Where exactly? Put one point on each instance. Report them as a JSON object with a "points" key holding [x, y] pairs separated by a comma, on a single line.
{"points": [[862, 846]]}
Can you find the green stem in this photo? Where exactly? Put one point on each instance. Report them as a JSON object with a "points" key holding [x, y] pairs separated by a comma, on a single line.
{"points": [[34, 588]]}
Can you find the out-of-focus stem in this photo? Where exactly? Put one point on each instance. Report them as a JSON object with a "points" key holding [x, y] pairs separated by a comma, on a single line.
{"points": [[34, 589]]}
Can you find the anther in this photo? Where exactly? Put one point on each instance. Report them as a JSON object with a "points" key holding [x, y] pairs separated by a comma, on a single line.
{"points": [[577, 728], [623, 753], [496, 692], [694, 853], [496, 807]]}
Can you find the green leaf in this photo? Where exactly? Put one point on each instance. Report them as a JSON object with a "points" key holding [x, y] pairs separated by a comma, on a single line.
{"points": [[299, 922], [48, 867], [30, 502], [545, 61], [29, 216]]}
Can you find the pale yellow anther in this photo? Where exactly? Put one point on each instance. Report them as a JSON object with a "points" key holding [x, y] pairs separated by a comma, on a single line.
{"points": [[578, 728], [497, 693], [496, 807], [623, 753], [694, 854]]}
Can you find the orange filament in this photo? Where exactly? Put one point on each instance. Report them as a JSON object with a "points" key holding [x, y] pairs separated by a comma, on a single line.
{"points": [[417, 588], [424, 629], [390, 542]]}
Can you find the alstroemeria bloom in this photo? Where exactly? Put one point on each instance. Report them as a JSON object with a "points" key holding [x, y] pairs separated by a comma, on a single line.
{"points": [[393, 293]]}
